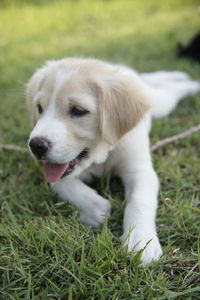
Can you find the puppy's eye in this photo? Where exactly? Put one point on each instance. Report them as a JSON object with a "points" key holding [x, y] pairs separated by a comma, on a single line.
{"points": [[77, 111], [39, 107]]}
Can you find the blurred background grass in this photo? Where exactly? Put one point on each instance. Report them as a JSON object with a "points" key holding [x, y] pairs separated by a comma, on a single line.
{"points": [[36, 262], [141, 34]]}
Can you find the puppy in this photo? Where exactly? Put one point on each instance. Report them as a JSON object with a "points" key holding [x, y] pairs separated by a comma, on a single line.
{"points": [[92, 118]]}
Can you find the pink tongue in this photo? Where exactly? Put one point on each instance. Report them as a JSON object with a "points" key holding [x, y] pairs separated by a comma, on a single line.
{"points": [[53, 172]]}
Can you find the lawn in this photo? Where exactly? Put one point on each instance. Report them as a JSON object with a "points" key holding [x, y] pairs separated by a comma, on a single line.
{"points": [[45, 252]]}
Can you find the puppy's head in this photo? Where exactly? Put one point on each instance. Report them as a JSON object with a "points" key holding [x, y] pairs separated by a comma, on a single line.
{"points": [[80, 109]]}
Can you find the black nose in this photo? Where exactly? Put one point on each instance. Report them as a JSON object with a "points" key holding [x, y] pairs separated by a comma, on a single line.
{"points": [[39, 146]]}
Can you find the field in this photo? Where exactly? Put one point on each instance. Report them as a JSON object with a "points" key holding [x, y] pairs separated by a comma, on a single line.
{"points": [[45, 252]]}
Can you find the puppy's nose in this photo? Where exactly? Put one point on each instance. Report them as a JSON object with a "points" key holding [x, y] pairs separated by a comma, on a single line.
{"points": [[39, 146]]}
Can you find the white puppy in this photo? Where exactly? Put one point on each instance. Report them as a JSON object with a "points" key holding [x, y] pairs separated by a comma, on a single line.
{"points": [[93, 118]]}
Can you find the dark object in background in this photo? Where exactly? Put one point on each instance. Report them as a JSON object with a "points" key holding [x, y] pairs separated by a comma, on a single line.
{"points": [[192, 50]]}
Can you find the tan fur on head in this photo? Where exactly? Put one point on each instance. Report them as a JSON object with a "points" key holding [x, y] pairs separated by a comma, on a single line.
{"points": [[122, 106], [122, 103]]}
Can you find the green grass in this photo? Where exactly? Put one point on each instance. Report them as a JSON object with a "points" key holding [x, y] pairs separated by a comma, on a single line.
{"points": [[45, 252]]}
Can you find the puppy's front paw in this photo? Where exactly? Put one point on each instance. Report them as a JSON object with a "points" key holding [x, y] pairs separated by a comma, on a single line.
{"points": [[150, 245], [96, 211]]}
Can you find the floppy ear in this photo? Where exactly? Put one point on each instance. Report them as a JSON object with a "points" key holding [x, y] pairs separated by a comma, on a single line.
{"points": [[122, 105], [32, 88]]}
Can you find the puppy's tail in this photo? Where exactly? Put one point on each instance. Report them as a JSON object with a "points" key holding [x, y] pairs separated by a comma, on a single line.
{"points": [[166, 89]]}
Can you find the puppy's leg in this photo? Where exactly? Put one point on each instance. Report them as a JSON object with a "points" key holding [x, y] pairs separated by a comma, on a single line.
{"points": [[141, 190], [139, 217], [92, 207]]}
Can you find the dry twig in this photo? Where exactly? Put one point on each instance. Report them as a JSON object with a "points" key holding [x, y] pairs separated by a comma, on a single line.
{"points": [[13, 147], [173, 138]]}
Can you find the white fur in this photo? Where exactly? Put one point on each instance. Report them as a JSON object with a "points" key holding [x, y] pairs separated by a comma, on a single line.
{"points": [[166, 89], [130, 159]]}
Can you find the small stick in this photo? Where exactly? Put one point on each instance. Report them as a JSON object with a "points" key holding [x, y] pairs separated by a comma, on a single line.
{"points": [[13, 147], [173, 138]]}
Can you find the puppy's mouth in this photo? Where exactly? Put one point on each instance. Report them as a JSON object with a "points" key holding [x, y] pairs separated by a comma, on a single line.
{"points": [[54, 172]]}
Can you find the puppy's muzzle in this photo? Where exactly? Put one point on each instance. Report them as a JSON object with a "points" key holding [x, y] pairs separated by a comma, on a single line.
{"points": [[39, 146]]}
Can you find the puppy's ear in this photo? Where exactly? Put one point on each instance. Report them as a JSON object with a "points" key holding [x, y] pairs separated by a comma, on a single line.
{"points": [[122, 105], [32, 88]]}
